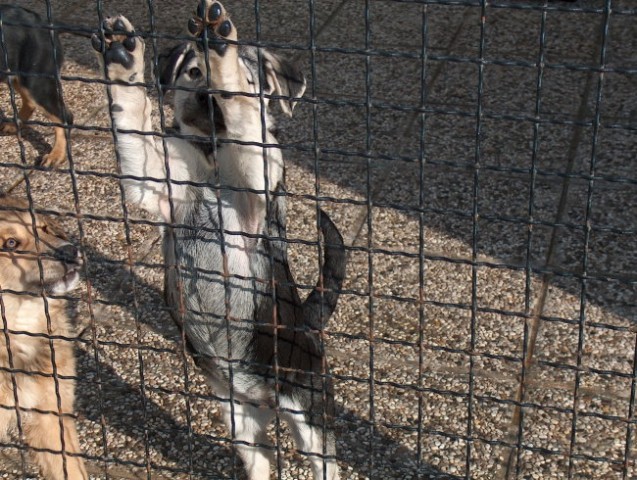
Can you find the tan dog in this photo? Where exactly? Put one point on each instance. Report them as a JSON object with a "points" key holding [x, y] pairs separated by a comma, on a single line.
{"points": [[44, 376]]}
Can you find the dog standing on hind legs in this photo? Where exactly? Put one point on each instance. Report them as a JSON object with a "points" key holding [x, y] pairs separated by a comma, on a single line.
{"points": [[257, 343]]}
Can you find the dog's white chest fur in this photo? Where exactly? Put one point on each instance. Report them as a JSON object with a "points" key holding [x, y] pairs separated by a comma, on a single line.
{"points": [[223, 269], [28, 317]]}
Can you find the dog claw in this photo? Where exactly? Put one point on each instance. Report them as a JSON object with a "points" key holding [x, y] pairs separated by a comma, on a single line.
{"points": [[96, 42]]}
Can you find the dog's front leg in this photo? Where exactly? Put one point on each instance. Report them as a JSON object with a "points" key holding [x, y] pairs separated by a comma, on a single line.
{"points": [[51, 431], [141, 154], [246, 163]]}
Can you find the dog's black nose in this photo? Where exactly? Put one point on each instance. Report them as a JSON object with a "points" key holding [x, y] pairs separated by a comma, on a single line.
{"points": [[68, 253], [202, 99]]}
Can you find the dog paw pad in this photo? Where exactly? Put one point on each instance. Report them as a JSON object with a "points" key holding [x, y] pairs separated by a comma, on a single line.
{"points": [[225, 28], [129, 44], [212, 25], [215, 12], [118, 54], [118, 43]]}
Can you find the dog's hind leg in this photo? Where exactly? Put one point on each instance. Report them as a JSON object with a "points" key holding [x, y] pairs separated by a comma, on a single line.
{"points": [[28, 103], [311, 442], [25, 112], [248, 424], [57, 155], [46, 96]]}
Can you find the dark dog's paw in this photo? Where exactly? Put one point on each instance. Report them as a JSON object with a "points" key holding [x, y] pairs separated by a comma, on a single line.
{"points": [[8, 128], [122, 50], [212, 24]]}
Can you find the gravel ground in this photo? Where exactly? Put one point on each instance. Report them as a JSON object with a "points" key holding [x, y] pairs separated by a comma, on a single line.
{"points": [[466, 343]]}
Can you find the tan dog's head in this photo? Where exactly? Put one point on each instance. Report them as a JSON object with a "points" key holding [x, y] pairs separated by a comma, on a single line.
{"points": [[19, 252]]}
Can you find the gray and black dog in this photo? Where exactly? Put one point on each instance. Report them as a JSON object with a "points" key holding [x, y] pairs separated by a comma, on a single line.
{"points": [[228, 282]]}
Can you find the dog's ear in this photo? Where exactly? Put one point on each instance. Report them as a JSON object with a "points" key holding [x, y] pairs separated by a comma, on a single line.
{"points": [[54, 228], [283, 78], [170, 63]]}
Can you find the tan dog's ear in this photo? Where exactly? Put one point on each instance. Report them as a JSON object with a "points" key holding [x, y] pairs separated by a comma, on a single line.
{"points": [[54, 228], [284, 78]]}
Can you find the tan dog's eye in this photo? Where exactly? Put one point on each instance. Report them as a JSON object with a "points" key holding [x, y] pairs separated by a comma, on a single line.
{"points": [[11, 244], [194, 72]]}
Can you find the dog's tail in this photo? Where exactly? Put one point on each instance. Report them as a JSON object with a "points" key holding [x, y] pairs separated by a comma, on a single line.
{"points": [[321, 302]]}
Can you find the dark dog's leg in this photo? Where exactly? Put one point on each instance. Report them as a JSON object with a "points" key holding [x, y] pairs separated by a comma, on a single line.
{"points": [[57, 156], [45, 93], [49, 98], [26, 110], [28, 104]]}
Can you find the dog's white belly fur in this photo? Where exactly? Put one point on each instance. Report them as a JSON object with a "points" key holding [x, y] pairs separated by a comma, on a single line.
{"points": [[222, 270], [224, 225]]}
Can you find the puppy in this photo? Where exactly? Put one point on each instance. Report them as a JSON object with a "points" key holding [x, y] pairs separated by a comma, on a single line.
{"points": [[37, 366], [30, 58], [228, 280]]}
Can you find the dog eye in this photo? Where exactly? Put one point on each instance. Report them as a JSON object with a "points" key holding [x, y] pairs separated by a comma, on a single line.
{"points": [[194, 72], [11, 244]]}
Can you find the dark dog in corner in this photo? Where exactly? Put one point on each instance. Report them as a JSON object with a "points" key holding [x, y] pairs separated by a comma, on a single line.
{"points": [[30, 60]]}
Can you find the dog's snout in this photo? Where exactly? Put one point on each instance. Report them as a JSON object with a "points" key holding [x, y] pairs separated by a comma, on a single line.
{"points": [[67, 253]]}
